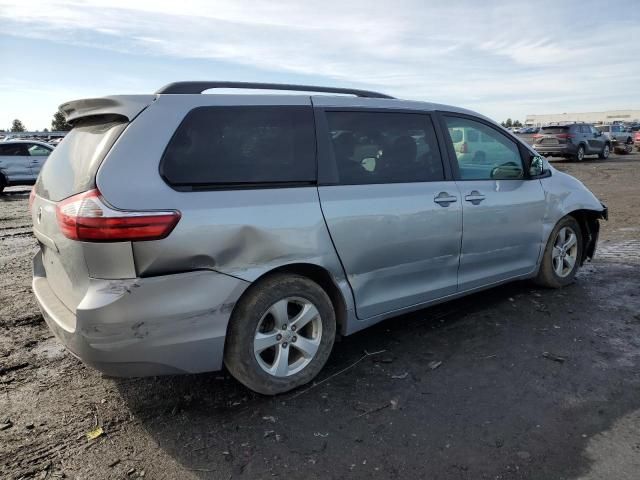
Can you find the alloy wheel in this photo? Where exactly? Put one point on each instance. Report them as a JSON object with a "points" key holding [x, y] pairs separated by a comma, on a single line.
{"points": [[288, 336], [565, 252]]}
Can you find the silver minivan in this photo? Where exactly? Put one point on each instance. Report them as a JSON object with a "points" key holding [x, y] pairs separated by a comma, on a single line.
{"points": [[182, 231]]}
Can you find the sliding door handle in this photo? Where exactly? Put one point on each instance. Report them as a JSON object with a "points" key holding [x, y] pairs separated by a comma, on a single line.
{"points": [[444, 199]]}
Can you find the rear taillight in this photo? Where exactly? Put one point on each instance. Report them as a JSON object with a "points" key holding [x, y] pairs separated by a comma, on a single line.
{"points": [[565, 135], [32, 197], [88, 218], [538, 135], [464, 148]]}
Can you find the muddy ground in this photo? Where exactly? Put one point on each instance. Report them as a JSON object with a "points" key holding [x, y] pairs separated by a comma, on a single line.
{"points": [[459, 391]]}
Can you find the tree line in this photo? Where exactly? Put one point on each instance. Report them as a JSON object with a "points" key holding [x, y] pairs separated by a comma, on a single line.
{"points": [[511, 123], [58, 124]]}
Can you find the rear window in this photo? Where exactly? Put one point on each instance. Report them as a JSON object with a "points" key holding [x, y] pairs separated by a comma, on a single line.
{"points": [[71, 168], [554, 130], [242, 146]]}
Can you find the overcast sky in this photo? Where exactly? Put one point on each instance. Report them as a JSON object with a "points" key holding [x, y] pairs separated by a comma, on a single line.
{"points": [[501, 58]]}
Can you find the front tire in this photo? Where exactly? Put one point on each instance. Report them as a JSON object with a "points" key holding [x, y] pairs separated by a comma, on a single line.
{"points": [[562, 255], [280, 334]]}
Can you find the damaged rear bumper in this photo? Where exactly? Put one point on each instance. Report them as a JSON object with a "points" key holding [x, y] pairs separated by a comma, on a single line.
{"points": [[145, 326]]}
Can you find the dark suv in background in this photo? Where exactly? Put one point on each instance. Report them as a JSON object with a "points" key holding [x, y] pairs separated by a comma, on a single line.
{"points": [[571, 141]]}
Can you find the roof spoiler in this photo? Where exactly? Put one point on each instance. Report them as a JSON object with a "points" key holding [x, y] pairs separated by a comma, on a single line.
{"points": [[128, 106]]}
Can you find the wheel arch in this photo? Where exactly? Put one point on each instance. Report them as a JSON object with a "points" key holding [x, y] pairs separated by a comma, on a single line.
{"points": [[322, 277], [589, 228]]}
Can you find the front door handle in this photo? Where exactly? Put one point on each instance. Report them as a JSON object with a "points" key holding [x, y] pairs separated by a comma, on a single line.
{"points": [[475, 197], [444, 199]]}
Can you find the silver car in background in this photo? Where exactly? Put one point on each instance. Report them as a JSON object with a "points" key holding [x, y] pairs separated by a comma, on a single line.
{"points": [[179, 231], [21, 161]]}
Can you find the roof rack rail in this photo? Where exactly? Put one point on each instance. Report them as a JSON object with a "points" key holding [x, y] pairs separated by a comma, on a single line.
{"points": [[199, 87]]}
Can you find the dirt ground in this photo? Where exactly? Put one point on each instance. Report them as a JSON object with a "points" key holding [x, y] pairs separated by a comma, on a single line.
{"points": [[463, 390]]}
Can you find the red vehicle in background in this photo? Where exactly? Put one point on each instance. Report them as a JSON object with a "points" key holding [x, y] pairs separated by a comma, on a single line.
{"points": [[636, 140]]}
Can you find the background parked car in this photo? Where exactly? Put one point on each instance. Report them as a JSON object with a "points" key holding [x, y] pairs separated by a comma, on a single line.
{"points": [[621, 137], [21, 161], [571, 141], [636, 140]]}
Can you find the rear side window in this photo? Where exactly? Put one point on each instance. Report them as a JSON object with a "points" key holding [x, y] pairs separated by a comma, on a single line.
{"points": [[14, 149], [375, 147], [71, 168], [243, 146]]}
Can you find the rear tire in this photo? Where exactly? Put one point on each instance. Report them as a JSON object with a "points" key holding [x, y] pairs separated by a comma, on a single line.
{"points": [[562, 255], [579, 156], [280, 334], [3, 183], [604, 154]]}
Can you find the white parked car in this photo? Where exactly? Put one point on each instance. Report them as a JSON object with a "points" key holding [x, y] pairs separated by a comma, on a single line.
{"points": [[21, 161]]}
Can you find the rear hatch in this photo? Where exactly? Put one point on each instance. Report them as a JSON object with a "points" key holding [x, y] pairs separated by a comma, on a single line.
{"points": [[70, 170], [552, 136]]}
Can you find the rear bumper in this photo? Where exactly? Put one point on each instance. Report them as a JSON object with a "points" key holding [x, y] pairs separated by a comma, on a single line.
{"points": [[145, 326], [557, 150]]}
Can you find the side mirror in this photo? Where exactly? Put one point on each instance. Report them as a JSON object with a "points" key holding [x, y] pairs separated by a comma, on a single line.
{"points": [[536, 166]]}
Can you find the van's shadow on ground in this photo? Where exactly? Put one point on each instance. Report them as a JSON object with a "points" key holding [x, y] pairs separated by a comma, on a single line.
{"points": [[495, 406]]}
